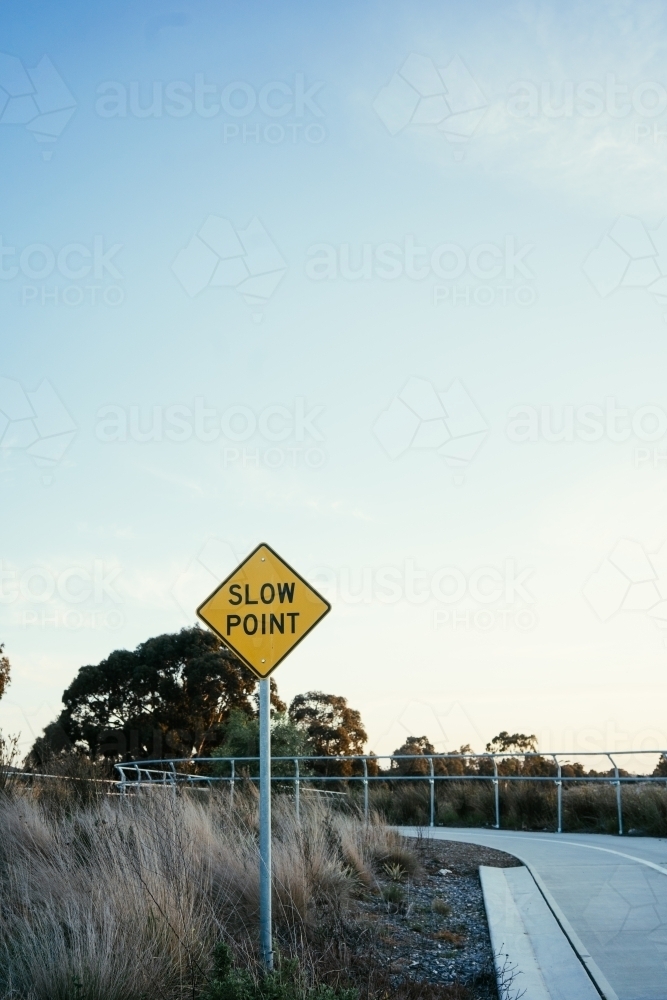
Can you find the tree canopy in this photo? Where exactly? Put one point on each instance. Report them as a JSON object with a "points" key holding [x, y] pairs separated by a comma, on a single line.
{"points": [[514, 743], [414, 746], [168, 697], [661, 768], [333, 728], [420, 747], [186, 694], [5, 670]]}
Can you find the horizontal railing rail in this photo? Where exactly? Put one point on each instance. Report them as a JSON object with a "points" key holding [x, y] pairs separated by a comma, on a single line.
{"points": [[164, 773], [32, 775]]}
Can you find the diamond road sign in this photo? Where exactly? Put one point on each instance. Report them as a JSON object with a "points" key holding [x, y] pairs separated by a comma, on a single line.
{"points": [[263, 610]]}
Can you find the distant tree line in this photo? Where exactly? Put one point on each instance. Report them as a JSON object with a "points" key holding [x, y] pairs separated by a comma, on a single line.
{"points": [[417, 749], [185, 694]]}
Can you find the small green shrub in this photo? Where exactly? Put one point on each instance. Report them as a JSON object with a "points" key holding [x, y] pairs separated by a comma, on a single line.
{"points": [[440, 907], [287, 982], [393, 894], [240, 738], [400, 855], [394, 872]]}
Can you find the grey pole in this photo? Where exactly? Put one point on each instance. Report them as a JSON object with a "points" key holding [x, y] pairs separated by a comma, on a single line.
{"points": [[431, 782], [619, 807], [365, 783], [496, 793], [297, 790], [265, 823], [559, 790]]}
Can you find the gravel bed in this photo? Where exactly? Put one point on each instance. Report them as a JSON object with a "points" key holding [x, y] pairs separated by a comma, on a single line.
{"points": [[432, 929]]}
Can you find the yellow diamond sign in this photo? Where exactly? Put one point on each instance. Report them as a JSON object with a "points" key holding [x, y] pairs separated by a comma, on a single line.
{"points": [[263, 610]]}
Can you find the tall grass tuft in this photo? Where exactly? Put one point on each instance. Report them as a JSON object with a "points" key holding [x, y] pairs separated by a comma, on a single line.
{"points": [[126, 899]]}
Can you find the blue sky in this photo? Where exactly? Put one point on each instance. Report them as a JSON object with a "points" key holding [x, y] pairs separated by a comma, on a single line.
{"points": [[507, 256]]}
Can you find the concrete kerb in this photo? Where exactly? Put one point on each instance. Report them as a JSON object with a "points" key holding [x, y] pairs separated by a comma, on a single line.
{"points": [[517, 971], [534, 957]]}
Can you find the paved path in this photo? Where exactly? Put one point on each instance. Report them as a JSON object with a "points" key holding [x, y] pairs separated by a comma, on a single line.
{"points": [[612, 891]]}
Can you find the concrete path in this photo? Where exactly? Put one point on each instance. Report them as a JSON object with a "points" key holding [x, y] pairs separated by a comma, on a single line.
{"points": [[609, 894]]}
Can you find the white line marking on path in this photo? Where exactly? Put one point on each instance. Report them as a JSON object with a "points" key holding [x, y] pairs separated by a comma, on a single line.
{"points": [[589, 847]]}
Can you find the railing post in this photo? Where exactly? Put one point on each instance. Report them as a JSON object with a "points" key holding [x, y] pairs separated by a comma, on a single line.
{"points": [[619, 806], [297, 783], [559, 790], [365, 784], [232, 783], [496, 793], [431, 782]]}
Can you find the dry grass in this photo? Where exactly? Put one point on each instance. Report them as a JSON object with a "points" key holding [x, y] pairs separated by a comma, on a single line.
{"points": [[109, 899], [528, 806], [450, 937], [594, 809]]}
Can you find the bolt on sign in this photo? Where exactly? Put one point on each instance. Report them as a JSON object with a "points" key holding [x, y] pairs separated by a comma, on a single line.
{"points": [[263, 610]]}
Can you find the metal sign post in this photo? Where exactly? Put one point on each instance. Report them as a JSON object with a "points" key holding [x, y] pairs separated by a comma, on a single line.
{"points": [[265, 923], [261, 612]]}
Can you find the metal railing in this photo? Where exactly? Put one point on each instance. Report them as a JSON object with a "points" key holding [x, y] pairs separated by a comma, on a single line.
{"points": [[163, 773], [38, 776]]}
